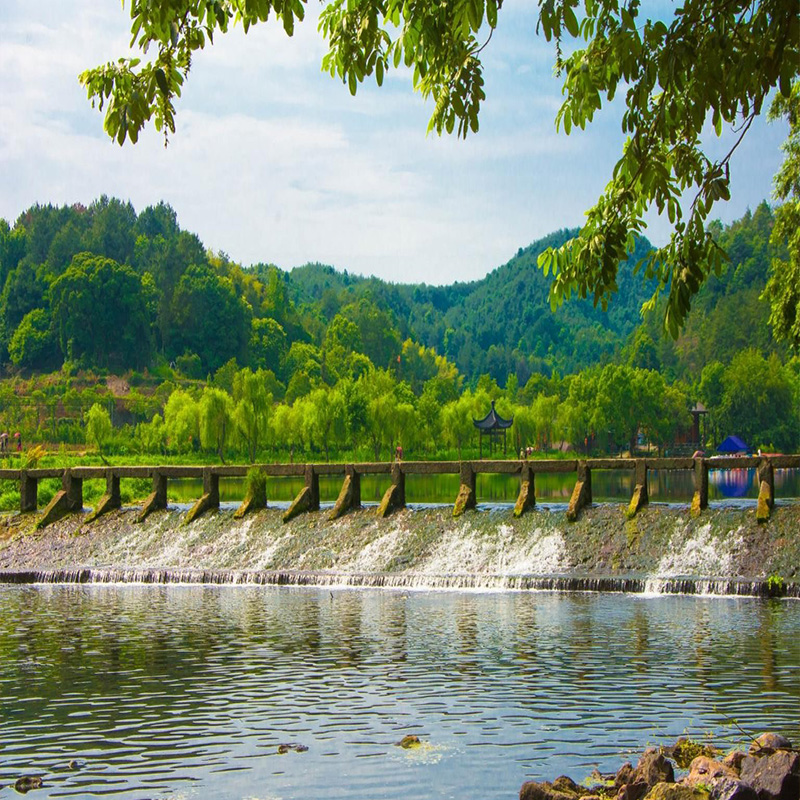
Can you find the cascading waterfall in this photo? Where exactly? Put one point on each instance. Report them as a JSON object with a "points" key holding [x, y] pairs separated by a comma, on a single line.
{"points": [[662, 551], [409, 581]]}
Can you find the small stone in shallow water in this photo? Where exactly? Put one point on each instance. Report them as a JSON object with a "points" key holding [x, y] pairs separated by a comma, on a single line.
{"points": [[409, 740], [27, 782], [598, 777], [285, 748]]}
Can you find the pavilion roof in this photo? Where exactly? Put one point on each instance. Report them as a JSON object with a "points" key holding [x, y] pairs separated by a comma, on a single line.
{"points": [[492, 421], [733, 444]]}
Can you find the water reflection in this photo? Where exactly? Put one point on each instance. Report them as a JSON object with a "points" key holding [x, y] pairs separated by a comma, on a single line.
{"points": [[672, 486], [188, 691]]}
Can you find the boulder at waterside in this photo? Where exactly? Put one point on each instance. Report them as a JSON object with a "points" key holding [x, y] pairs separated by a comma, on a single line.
{"points": [[774, 777], [676, 791], [734, 760], [772, 772], [706, 771], [732, 789], [768, 743], [653, 768], [534, 790]]}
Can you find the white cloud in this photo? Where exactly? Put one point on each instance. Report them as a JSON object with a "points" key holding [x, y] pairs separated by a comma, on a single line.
{"points": [[275, 161]]}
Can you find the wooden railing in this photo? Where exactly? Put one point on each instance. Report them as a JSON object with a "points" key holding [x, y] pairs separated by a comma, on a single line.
{"points": [[70, 498]]}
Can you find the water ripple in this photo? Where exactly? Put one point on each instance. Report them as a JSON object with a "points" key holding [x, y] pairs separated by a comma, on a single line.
{"points": [[188, 691]]}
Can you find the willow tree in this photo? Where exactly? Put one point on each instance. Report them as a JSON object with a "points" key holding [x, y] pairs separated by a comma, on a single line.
{"points": [[713, 61]]}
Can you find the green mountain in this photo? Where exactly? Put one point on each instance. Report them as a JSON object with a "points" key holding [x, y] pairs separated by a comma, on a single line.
{"points": [[103, 286], [498, 325]]}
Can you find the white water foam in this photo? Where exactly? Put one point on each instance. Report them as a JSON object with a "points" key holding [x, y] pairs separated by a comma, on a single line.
{"points": [[379, 553], [464, 550], [702, 554]]}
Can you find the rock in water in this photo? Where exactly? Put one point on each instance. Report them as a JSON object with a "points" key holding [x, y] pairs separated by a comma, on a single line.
{"points": [[653, 768], [533, 790], [565, 784], [774, 777], [285, 748], [27, 782], [624, 774], [632, 791], [409, 740]]}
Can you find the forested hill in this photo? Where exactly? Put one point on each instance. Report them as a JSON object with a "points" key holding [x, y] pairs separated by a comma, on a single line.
{"points": [[101, 286], [498, 325]]}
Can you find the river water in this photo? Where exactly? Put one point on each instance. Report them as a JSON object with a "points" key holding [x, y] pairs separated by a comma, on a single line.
{"points": [[674, 486], [188, 691]]}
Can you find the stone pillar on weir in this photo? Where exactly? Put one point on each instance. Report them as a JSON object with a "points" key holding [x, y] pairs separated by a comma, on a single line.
{"points": [[256, 497], [307, 499], [210, 498], [640, 494], [766, 491], [700, 498], [157, 500], [28, 492], [350, 494], [111, 500], [395, 496], [527, 491], [67, 501], [467, 497], [582, 493]]}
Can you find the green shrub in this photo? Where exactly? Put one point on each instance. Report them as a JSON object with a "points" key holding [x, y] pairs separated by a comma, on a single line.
{"points": [[256, 483]]}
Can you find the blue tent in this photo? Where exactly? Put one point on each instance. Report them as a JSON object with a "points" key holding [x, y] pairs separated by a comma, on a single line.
{"points": [[733, 444]]}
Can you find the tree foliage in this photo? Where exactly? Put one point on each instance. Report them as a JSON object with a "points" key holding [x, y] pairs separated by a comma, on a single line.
{"points": [[783, 288], [99, 313], [714, 60], [98, 426]]}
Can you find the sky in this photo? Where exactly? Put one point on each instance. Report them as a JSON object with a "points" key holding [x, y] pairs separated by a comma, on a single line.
{"points": [[273, 161]]}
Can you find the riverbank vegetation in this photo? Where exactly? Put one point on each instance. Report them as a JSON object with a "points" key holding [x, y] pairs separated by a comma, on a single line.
{"points": [[122, 332]]}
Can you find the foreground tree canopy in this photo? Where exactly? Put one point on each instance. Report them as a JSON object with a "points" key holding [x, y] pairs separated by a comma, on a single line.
{"points": [[715, 61]]}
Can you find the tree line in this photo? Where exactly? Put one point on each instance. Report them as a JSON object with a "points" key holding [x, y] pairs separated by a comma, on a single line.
{"points": [[601, 410], [352, 365]]}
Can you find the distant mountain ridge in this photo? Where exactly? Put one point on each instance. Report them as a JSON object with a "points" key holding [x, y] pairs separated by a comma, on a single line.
{"points": [[102, 286], [501, 323]]}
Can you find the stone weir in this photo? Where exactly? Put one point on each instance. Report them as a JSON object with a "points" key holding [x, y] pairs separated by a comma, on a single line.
{"points": [[663, 549], [70, 498]]}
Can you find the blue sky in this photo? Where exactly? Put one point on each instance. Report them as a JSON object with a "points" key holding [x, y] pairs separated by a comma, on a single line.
{"points": [[274, 161]]}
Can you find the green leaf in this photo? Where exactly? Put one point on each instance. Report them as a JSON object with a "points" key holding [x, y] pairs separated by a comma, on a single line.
{"points": [[491, 13], [570, 21], [161, 80]]}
